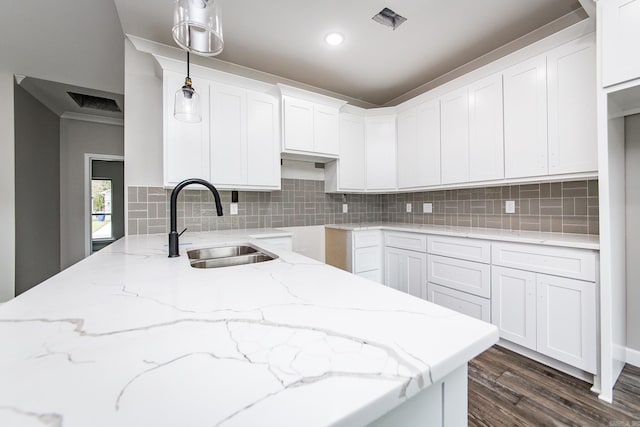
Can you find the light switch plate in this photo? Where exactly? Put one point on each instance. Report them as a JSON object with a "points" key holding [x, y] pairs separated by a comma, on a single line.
{"points": [[408, 207], [233, 209], [345, 208], [427, 207], [510, 206]]}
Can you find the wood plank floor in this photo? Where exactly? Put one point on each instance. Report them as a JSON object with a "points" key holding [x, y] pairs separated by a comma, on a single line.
{"points": [[507, 389]]}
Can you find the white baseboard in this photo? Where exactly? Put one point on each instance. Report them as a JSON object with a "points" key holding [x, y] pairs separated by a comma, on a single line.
{"points": [[633, 357]]}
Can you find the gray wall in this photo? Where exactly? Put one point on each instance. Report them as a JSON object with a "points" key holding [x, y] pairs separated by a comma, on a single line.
{"points": [[37, 183], [632, 148], [77, 138], [7, 187]]}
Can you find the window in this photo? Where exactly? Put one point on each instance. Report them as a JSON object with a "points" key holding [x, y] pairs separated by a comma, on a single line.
{"points": [[101, 213]]}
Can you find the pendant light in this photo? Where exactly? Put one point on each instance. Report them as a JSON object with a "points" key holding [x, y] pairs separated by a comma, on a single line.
{"points": [[187, 103], [197, 27]]}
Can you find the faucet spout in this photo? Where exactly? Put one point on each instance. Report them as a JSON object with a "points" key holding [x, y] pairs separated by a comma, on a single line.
{"points": [[174, 250]]}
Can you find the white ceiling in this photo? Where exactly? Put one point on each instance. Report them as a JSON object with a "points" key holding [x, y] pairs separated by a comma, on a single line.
{"points": [[375, 63]]}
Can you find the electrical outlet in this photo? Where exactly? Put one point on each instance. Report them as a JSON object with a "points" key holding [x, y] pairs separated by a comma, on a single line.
{"points": [[427, 207], [233, 209], [510, 206], [408, 207], [345, 208]]}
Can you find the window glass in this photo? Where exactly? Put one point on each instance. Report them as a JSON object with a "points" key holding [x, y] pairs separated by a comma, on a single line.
{"points": [[101, 209]]}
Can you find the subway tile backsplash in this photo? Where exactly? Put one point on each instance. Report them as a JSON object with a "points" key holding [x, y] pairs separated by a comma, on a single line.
{"points": [[568, 207]]}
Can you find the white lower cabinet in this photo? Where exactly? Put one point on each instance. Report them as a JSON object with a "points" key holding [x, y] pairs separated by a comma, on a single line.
{"points": [[567, 320], [555, 316], [471, 305], [405, 270], [513, 305]]}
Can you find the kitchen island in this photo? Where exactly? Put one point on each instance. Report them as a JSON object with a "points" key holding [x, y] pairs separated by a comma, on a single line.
{"points": [[130, 337]]}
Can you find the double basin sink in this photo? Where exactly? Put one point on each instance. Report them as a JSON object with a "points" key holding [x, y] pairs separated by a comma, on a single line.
{"points": [[228, 255]]}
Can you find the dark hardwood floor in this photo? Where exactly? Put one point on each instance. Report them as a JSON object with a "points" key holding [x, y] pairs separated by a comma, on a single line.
{"points": [[507, 389]]}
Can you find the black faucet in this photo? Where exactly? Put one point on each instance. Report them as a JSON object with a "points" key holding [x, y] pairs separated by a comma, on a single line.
{"points": [[173, 234]]}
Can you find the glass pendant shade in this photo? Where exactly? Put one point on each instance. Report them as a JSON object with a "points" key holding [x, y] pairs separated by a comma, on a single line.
{"points": [[197, 27], [187, 104]]}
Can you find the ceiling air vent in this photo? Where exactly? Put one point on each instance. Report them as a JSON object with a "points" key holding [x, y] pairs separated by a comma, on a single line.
{"points": [[94, 102], [389, 18]]}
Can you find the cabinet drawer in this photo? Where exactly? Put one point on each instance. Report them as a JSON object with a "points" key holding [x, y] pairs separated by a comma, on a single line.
{"points": [[460, 247], [566, 262], [365, 239], [466, 276], [410, 241], [375, 275], [471, 305], [367, 259]]}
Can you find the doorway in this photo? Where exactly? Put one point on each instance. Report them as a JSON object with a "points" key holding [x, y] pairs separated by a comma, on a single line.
{"points": [[106, 202]]}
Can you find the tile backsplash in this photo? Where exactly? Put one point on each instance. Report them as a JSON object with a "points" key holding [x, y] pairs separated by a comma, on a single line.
{"points": [[568, 207]]}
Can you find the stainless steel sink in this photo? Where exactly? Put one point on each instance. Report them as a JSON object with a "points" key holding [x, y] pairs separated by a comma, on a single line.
{"points": [[227, 256]]}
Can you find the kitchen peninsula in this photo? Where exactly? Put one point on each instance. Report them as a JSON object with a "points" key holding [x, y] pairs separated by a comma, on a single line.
{"points": [[130, 337]]}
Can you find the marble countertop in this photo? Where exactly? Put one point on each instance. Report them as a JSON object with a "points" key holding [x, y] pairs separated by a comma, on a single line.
{"points": [[580, 241], [130, 337]]}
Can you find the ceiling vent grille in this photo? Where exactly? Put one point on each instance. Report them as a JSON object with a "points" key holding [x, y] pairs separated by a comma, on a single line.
{"points": [[389, 18], [94, 102]]}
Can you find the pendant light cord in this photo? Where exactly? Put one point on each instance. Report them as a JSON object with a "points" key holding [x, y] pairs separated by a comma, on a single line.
{"points": [[187, 64]]}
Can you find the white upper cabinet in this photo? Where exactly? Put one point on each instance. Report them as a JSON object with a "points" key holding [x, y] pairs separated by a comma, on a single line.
{"points": [[571, 80], [454, 132], [186, 145], [380, 136], [228, 135], [525, 119], [263, 140], [619, 24], [244, 138], [419, 146], [486, 136], [352, 153], [310, 123], [325, 130], [298, 124]]}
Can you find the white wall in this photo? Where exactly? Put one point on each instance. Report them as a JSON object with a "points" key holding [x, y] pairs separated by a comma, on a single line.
{"points": [[143, 118], [7, 188], [632, 155], [77, 138]]}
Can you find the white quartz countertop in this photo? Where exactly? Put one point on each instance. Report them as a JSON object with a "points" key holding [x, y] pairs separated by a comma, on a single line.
{"points": [[581, 241], [130, 337]]}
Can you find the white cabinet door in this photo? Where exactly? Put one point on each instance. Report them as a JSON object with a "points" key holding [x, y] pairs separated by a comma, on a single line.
{"points": [[352, 153], [620, 31], [406, 271], [567, 321], [454, 133], [263, 140], [513, 305], [325, 130], [471, 305], [486, 136], [228, 135], [571, 80], [525, 119], [381, 152], [298, 124], [419, 146], [428, 150], [186, 145]]}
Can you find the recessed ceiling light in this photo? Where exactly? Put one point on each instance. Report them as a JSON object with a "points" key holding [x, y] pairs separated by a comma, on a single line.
{"points": [[334, 39]]}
